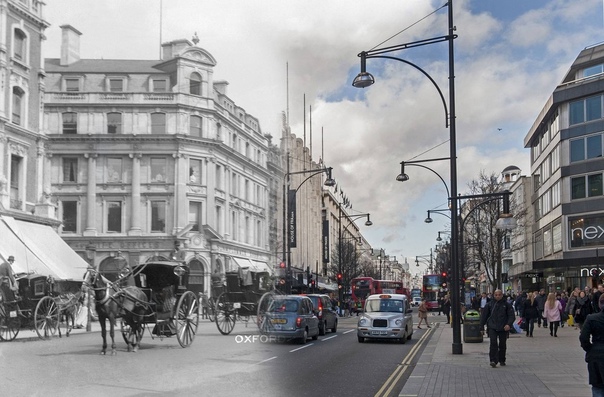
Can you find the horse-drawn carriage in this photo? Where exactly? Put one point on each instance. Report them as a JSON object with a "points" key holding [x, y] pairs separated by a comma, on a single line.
{"points": [[39, 305], [244, 296], [154, 293]]}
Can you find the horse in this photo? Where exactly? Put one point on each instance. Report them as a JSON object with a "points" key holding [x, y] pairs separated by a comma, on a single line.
{"points": [[113, 302]]}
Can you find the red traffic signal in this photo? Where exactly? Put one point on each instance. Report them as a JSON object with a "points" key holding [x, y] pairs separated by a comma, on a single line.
{"points": [[282, 265], [339, 276], [444, 274]]}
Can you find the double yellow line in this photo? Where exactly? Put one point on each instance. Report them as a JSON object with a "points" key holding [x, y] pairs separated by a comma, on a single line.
{"points": [[393, 379]]}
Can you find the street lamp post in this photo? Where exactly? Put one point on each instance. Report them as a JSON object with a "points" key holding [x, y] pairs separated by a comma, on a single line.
{"points": [[365, 79], [289, 213], [350, 218], [90, 254], [442, 212]]}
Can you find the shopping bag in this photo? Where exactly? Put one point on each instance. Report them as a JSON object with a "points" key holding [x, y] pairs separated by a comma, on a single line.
{"points": [[571, 320]]}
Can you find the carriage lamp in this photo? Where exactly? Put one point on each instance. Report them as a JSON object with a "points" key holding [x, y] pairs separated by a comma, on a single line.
{"points": [[180, 271]]}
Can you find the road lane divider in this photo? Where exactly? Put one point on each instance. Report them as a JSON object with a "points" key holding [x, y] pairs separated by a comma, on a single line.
{"points": [[328, 338], [393, 379], [349, 331], [301, 347]]}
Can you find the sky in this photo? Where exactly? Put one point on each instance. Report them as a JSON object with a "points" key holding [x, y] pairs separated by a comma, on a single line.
{"points": [[277, 55]]}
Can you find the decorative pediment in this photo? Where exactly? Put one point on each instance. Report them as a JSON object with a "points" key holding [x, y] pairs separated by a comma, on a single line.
{"points": [[199, 55]]}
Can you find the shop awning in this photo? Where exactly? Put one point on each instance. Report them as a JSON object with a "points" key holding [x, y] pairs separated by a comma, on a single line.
{"points": [[39, 249], [251, 265]]}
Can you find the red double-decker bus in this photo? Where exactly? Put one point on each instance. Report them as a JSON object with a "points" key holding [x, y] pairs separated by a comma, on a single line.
{"points": [[431, 284], [362, 287]]}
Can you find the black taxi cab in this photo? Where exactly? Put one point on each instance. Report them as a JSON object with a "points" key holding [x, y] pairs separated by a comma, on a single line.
{"points": [[386, 316]]}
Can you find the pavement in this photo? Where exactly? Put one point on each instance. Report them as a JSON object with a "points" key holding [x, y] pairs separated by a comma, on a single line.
{"points": [[541, 366]]}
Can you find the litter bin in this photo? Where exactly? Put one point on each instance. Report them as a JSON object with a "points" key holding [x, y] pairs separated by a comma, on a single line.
{"points": [[472, 332]]}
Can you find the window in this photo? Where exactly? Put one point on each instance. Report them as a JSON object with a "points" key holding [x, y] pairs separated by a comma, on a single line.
{"points": [[592, 70], [594, 146], [247, 230], [556, 194], [114, 170], [577, 150], [547, 241], [70, 216], [158, 169], [18, 94], [194, 215], [593, 108], [234, 189], [195, 128], [20, 49], [16, 163], [219, 226], [557, 237], [114, 123], [158, 216], [116, 85], [258, 233], [577, 188], [577, 112], [595, 185], [538, 247], [70, 169], [219, 177], [114, 216], [246, 191], [555, 156], [70, 123], [160, 85], [195, 171], [234, 225], [195, 84], [72, 85], [158, 123]]}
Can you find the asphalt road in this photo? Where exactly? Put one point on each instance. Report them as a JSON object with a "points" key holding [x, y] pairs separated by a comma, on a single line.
{"points": [[239, 364]]}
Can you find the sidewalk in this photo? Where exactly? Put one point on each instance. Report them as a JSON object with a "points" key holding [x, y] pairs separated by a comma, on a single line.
{"points": [[542, 366]]}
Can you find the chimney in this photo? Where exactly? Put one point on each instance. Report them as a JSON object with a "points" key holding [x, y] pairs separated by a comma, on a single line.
{"points": [[174, 48], [70, 45]]}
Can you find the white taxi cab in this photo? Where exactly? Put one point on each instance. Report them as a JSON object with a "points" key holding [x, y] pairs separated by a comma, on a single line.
{"points": [[386, 316]]}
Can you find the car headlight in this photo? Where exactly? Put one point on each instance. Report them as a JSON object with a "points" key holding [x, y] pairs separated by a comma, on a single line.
{"points": [[398, 322], [364, 322]]}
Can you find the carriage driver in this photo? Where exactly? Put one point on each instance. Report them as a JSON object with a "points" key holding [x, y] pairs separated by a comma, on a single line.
{"points": [[7, 279], [217, 286]]}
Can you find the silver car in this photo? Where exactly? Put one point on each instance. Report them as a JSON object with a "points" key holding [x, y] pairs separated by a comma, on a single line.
{"points": [[386, 316], [291, 317]]}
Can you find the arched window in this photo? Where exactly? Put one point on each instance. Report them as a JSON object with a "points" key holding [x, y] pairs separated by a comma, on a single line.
{"points": [[158, 123], [20, 43], [195, 84], [18, 95], [195, 127]]}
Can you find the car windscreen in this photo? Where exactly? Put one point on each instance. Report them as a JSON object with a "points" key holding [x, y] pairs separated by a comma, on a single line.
{"points": [[384, 305], [284, 306]]}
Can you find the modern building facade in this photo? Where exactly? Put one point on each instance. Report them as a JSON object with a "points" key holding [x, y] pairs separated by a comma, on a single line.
{"points": [[567, 173], [151, 159]]}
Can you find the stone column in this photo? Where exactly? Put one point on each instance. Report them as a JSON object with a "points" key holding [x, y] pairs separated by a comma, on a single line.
{"points": [[91, 195], [4, 195], [181, 204], [44, 207], [135, 219]]}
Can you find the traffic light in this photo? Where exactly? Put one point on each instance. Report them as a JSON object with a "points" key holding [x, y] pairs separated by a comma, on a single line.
{"points": [[339, 277], [282, 265]]}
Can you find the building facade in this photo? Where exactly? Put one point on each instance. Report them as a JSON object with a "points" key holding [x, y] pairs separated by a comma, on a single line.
{"points": [[567, 173], [151, 159]]}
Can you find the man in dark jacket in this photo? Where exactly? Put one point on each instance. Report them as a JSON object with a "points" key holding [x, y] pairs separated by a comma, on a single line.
{"points": [[596, 298], [592, 341], [541, 298], [499, 317]]}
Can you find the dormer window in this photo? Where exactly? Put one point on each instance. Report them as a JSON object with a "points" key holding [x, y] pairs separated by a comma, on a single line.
{"points": [[195, 84], [72, 84], [159, 85], [115, 84], [593, 70]]}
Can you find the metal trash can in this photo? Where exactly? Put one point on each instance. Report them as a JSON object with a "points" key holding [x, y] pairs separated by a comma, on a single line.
{"points": [[472, 332]]}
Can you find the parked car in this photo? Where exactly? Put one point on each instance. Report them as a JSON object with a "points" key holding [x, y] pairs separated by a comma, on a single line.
{"points": [[416, 301], [325, 311], [386, 316], [292, 317]]}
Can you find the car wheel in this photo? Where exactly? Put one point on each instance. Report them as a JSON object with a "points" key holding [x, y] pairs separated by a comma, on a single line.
{"points": [[335, 326], [315, 337], [410, 334], [304, 337], [322, 328], [361, 339]]}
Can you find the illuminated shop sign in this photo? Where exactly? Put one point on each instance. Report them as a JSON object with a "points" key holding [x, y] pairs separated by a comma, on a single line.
{"points": [[595, 271], [586, 231]]}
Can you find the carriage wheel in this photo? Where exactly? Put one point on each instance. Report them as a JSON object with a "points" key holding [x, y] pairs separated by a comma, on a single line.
{"points": [[263, 304], [131, 336], [46, 317], [225, 314], [9, 327], [187, 318], [211, 310]]}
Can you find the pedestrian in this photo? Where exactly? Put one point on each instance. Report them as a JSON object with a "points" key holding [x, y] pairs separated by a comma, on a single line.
{"points": [[475, 303], [593, 329], [519, 304], [562, 299], [422, 313], [541, 298], [447, 308], [530, 312], [483, 301], [570, 306], [596, 298], [498, 316], [551, 312], [582, 309]]}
